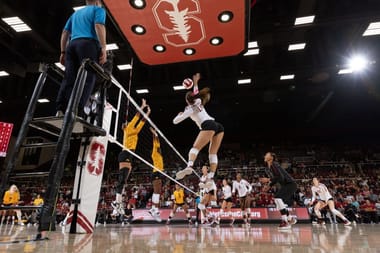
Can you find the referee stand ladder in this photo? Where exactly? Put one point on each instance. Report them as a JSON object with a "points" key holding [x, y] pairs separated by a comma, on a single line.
{"points": [[64, 130]]}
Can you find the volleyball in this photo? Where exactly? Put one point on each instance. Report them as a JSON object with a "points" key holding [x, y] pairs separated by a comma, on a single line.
{"points": [[188, 83]]}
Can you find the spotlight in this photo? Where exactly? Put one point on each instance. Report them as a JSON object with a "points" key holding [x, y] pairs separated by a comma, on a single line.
{"points": [[138, 29], [137, 4], [159, 48], [357, 63], [225, 16], [189, 51], [216, 41]]}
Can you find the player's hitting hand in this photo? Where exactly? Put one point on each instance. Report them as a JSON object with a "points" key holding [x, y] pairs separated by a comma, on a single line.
{"points": [[196, 77]]}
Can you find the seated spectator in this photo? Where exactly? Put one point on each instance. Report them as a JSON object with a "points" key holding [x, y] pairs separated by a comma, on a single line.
{"points": [[369, 212]]}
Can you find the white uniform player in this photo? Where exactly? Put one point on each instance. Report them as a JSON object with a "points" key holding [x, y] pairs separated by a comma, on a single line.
{"points": [[244, 189], [211, 132], [227, 202], [325, 199]]}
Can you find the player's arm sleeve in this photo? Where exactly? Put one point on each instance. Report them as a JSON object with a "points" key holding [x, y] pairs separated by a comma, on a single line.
{"points": [[182, 116]]}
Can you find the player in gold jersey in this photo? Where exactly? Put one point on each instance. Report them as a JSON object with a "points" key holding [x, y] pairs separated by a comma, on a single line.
{"points": [[179, 202], [130, 139], [158, 163]]}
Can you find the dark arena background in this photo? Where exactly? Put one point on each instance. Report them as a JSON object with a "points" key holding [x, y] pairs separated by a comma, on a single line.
{"points": [[297, 78]]}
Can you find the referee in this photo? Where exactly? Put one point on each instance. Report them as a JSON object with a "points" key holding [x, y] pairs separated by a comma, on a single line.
{"points": [[84, 36]]}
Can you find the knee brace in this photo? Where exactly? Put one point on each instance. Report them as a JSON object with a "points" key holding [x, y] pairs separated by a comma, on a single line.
{"points": [[201, 206], [213, 159], [279, 204]]}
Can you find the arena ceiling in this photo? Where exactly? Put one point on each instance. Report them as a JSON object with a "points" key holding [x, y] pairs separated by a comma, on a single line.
{"points": [[316, 101]]}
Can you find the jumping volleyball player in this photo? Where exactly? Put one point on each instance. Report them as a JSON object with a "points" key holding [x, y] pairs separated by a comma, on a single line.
{"points": [[284, 194], [211, 131], [243, 188], [208, 185], [158, 163], [131, 132], [325, 199]]}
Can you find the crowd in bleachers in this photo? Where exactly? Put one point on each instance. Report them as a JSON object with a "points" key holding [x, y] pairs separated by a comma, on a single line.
{"points": [[351, 174]]}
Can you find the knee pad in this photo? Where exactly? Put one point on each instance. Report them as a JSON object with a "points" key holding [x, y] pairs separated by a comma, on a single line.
{"points": [[279, 203], [213, 159], [193, 151], [201, 206], [156, 198]]}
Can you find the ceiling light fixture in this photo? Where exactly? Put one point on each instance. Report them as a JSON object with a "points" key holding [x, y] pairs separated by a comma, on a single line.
{"points": [[4, 73], [345, 71], [253, 44], [373, 29], [358, 63], [142, 91], [304, 20], [216, 41], [254, 51], [244, 81], [138, 29], [124, 66], [189, 51], [178, 87], [43, 100], [225, 16], [287, 77], [112, 46], [299, 46], [137, 4], [159, 48], [79, 7], [17, 24]]}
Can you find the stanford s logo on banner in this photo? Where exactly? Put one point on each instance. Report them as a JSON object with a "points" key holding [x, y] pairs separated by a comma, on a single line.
{"points": [[96, 157], [179, 21]]}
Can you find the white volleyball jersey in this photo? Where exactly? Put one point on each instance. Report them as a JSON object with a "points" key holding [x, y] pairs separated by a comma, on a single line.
{"points": [[196, 112], [322, 192], [243, 187], [209, 178], [227, 192]]}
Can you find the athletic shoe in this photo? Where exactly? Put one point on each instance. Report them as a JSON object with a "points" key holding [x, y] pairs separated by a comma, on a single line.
{"points": [[347, 222], [321, 222], [168, 222], [284, 225], [190, 222], [183, 173], [217, 221], [155, 214], [293, 220]]}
